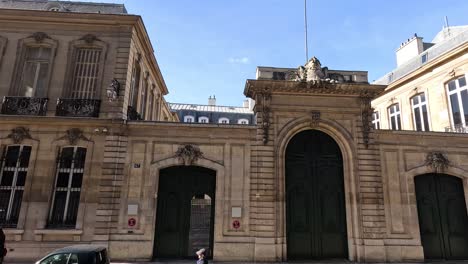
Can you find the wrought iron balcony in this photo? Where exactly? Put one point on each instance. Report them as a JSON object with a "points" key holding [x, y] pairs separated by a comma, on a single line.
{"points": [[459, 128], [17, 105], [132, 114], [78, 107]]}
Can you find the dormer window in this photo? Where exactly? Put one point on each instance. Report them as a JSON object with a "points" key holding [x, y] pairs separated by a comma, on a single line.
{"points": [[54, 9], [203, 119], [189, 119], [243, 121], [223, 120]]}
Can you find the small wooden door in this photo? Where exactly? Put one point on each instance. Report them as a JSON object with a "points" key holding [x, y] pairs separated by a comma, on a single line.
{"points": [[182, 208], [443, 220], [315, 202]]}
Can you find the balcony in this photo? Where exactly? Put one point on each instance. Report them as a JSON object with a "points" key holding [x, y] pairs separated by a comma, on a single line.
{"points": [[459, 128], [78, 107], [17, 105], [132, 114]]}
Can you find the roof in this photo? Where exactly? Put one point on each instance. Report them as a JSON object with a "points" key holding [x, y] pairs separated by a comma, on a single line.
{"points": [[442, 45], [210, 108], [80, 249], [64, 6]]}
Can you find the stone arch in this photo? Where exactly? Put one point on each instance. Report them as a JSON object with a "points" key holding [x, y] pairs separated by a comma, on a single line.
{"points": [[219, 169], [344, 140]]}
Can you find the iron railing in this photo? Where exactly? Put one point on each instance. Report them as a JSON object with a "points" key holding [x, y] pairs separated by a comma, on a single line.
{"points": [[17, 105], [78, 107], [459, 128]]}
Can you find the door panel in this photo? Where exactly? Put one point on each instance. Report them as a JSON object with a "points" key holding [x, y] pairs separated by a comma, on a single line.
{"points": [[176, 233], [443, 216], [315, 208]]}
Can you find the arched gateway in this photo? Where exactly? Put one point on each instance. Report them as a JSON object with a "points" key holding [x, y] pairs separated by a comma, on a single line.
{"points": [[315, 200], [185, 213]]}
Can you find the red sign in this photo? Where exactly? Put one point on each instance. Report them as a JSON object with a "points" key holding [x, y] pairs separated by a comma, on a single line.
{"points": [[131, 222], [236, 224]]}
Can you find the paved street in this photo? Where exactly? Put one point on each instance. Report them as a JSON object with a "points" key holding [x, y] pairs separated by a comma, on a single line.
{"points": [[293, 262]]}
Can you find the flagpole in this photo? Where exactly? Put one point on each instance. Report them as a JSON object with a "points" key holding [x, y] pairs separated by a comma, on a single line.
{"points": [[305, 22]]}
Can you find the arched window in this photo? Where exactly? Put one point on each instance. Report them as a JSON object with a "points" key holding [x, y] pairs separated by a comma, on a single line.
{"points": [[420, 114], [394, 117], [223, 120], [189, 119], [86, 68], [457, 91], [33, 66], [243, 121], [203, 119]]}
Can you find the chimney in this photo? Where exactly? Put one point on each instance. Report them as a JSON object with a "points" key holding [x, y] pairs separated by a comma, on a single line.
{"points": [[212, 100], [409, 49], [246, 103]]}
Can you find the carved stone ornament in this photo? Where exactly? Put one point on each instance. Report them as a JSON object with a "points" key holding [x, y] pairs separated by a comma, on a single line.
{"points": [[89, 38], [366, 115], [313, 71], [315, 115], [437, 161], [263, 101], [74, 135], [188, 154], [40, 36], [18, 134]]}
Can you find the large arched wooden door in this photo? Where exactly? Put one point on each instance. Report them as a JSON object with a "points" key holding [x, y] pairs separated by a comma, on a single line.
{"points": [[315, 202], [185, 213], [443, 220]]}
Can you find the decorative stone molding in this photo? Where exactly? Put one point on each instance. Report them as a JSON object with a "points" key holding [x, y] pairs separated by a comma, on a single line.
{"points": [[89, 38], [315, 115], [366, 115], [263, 100], [19, 134], [313, 71], [74, 135], [437, 161], [188, 154], [39, 36]]}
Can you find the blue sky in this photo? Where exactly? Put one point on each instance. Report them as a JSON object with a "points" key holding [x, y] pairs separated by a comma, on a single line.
{"points": [[210, 47]]}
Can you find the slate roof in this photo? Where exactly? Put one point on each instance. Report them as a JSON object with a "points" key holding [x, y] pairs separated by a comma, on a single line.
{"points": [[64, 6], [210, 108], [444, 42]]}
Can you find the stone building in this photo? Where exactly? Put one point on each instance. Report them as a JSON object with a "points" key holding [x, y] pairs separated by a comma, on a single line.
{"points": [[110, 164]]}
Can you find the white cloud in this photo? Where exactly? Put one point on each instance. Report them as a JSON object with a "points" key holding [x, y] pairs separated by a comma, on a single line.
{"points": [[243, 60]]}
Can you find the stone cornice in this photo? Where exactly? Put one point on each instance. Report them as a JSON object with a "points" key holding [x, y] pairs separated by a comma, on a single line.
{"points": [[253, 87]]}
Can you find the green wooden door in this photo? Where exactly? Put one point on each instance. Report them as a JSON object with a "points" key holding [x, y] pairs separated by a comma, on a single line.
{"points": [[178, 188], [443, 220], [315, 203]]}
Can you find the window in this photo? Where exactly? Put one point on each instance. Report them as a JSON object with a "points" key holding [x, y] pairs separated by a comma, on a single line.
{"points": [[420, 115], [135, 84], [35, 72], [86, 67], [223, 120], [144, 99], [13, 171], [203, 119], [189, 119], [61, 258], [424, 58], [66, 197], [458, 94], [376, 120], [395, 117], [243, 121]]}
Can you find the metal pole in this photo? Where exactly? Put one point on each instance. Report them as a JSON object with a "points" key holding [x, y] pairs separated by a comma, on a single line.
{"points": [[306, 39]]}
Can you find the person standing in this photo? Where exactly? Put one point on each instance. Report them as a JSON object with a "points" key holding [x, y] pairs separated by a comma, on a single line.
{"points": [[201, 257]]}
